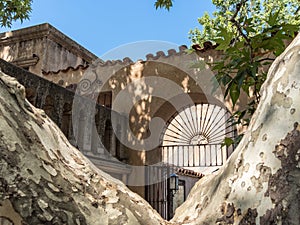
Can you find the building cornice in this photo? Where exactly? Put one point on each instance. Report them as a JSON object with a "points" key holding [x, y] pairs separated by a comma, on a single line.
{"points": [[49, 32]]}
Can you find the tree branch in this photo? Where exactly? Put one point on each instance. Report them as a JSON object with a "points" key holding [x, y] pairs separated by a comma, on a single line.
{"points": [[236, 24], [265, 59]]}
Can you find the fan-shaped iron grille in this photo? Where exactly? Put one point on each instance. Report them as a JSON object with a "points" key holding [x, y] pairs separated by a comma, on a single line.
{"points": [[193, 136]]}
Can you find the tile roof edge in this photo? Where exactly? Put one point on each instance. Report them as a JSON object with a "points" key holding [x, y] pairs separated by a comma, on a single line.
{"points": [[65, 70], [190, 173]]}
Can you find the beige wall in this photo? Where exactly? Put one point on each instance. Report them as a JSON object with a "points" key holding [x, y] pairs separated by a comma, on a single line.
{"points": [[42, 48], [50, 54]]}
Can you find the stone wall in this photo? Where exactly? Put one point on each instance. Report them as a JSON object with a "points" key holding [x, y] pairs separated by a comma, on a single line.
{"points": [[57, 102]]}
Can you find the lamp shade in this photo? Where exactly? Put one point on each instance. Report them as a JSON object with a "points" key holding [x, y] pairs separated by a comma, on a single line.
{"points": [[173, 182]]}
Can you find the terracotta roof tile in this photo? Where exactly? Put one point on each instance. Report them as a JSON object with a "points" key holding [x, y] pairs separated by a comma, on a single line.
{"points": [[206, 46], [65, 70], [190, 173]]}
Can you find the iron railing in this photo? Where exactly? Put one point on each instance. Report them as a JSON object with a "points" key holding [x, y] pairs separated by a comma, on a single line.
{"points": [[194, 155]]}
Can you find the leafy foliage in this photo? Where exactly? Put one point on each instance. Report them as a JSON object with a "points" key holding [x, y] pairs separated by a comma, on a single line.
{"points": [[167, 4], [253, 16], [12, 10], [250, 33]]}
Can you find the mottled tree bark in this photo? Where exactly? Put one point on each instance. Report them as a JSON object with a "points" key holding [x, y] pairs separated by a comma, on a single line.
{"points": [[44, 180], [260, 183]]}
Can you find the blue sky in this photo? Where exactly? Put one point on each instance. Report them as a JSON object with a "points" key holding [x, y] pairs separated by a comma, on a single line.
{"points": [[101, 26]]}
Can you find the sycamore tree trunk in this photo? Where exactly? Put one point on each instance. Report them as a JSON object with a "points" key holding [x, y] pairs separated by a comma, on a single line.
{"points": [[260, 183], [44, 180]]}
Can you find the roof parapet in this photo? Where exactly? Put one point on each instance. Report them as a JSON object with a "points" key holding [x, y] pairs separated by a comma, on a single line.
{"points": [[46, 30]]}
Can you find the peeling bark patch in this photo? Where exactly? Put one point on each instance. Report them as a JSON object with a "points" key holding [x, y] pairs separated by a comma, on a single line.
{"points": [[273, 216], [200, 207], [249, 218], [264, 174], [49, 168], [9, 156], [3, 188], [281, 99], [8, 214], [125, 201], [227, 211], [121, 218], [230, 214], [36, 207], [28, 198], [27, 136], [240, 168], [29, 171], [284, 185]]}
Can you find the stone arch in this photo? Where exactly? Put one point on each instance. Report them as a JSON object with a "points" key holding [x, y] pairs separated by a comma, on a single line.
{"points": [[168, 112]]}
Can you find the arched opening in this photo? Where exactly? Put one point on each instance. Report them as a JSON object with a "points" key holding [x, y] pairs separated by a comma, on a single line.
{"points": [[191, 145], [194, 135]]}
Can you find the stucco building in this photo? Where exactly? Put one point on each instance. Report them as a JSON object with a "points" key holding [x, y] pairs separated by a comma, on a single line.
{"points": [[109, 109]]}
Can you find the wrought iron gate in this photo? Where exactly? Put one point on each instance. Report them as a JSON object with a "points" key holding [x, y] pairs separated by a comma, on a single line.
{"points": [[157, 190], [192, 139]]}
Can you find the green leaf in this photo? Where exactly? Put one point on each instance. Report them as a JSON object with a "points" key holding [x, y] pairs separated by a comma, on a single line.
{"points": [[223, 38], [245, 88], [253, 69], [273, 18], [238, 138], [240, 78], [228, 141], [234, 93], [290, 27], [226, 79]]}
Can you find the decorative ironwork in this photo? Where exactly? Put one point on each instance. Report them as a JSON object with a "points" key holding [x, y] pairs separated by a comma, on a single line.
{"points": [[157, 193], [198, 124], [193, 137]]}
